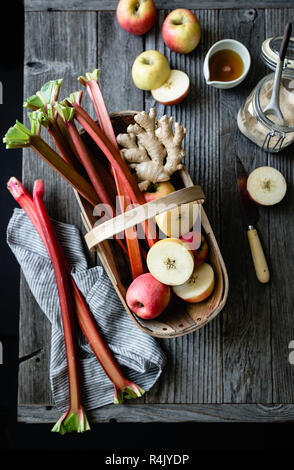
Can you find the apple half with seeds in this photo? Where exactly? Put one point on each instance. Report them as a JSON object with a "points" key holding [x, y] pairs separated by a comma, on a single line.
{"points": [[178, 221], [199, 286], [174, 90], [266, 186], [170, 261]]}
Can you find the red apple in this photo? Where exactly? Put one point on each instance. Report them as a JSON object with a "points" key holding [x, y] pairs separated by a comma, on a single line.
{"points": [[147, 297], [136, 16], [202, 252], [181, 31], [193, 239], [174, 90], [158, 190]]}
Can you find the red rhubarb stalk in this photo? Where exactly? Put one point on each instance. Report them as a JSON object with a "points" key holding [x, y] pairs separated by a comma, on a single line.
{"points": [[20, 136], [75, 418], [67, 114], [94, 91], [114, 157], [123, 387]]}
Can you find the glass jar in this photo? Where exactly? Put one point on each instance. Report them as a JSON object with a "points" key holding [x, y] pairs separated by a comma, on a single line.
{"points": [[266, 131]]}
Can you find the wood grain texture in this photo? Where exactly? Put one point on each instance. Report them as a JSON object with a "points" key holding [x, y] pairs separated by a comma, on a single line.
{"points": [[195, 360], [241, 357], [281, 227], [140, 413], [46, 58], [98, 5], [247, 318]]}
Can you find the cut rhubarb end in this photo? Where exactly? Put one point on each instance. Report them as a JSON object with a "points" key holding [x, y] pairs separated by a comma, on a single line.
{"points": [[118, 397], [130, 392], [72, 422], [133, 391]]}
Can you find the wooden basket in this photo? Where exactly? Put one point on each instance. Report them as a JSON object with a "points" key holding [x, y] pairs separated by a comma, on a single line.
{"points": [[180, 317]]}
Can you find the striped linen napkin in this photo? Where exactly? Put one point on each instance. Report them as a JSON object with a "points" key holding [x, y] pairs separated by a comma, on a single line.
{"points": [[139, 355]]}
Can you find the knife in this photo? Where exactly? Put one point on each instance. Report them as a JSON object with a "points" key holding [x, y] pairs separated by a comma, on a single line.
{"points": [[250, 212]]}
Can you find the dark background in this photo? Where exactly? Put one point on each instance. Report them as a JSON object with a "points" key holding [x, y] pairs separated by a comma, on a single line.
{"points": [[130, 439]]}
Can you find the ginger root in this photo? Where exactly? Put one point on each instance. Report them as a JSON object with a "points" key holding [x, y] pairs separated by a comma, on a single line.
{"points": [[152, 148]]}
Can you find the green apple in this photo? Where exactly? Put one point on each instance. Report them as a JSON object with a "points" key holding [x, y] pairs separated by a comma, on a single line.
{"points": [[150, 70]]}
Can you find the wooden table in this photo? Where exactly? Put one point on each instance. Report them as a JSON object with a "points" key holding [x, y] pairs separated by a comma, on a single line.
{"points": [[237, 367]]}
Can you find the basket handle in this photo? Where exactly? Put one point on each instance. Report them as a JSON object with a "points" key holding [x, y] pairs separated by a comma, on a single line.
{"points": [[137, 215]]}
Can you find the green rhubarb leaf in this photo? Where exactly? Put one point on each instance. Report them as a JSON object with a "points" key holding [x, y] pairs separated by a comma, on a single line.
{"points": [[49, 110], [50, 91], [72, 422], [84, 79], [65, 112], [17, 136], [37, 119], [33, 102], [47, 95], [75, 97]]}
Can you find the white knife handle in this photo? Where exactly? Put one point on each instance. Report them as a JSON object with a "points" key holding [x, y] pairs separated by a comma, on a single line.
{"points": [[260, 263]]}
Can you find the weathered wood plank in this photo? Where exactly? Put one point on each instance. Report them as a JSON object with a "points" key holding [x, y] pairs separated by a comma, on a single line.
{"points": [[194, 370], [247, 319], [47, 58], [281, 228], [232, 359], [115, 64], [138, 413], [53, 5]]}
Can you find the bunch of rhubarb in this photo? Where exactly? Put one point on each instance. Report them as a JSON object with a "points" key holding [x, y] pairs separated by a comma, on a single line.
{"points": [[78, 164], [73, 306], [99, 184]]}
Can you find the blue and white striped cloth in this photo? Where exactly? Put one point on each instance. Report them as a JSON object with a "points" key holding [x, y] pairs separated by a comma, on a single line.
{"points": [[138, 353]]}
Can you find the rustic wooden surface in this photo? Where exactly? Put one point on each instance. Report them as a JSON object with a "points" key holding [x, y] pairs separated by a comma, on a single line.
{"points": [[236, 368]]}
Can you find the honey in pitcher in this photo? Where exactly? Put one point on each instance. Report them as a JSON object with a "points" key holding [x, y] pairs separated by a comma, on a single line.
{"points": [[225, 65]]}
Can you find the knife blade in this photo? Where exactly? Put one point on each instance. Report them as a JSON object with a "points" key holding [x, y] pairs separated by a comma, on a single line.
{"points": [[250, 215]]}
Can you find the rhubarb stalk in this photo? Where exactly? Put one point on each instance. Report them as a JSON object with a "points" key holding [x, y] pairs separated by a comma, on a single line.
{"points": [[74, 419], [123, 387], [90, 81], [67, 114], [19, 136], [112, 154]]}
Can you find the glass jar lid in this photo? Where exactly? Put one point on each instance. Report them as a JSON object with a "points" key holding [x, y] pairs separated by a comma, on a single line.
{"points": [[270, 52]]}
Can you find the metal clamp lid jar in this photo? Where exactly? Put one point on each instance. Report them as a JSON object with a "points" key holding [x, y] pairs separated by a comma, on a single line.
{"points": [[264, 130]]}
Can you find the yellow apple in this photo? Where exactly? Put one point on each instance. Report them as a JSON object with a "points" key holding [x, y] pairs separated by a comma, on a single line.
{"points": [[158, 190], [150, 70], [199, 286]]}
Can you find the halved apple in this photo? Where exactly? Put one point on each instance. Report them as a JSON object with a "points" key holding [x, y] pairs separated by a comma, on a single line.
{"points": [[199, 286], [170, 261], [178, 221], [174, 90], [266, 186]]}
